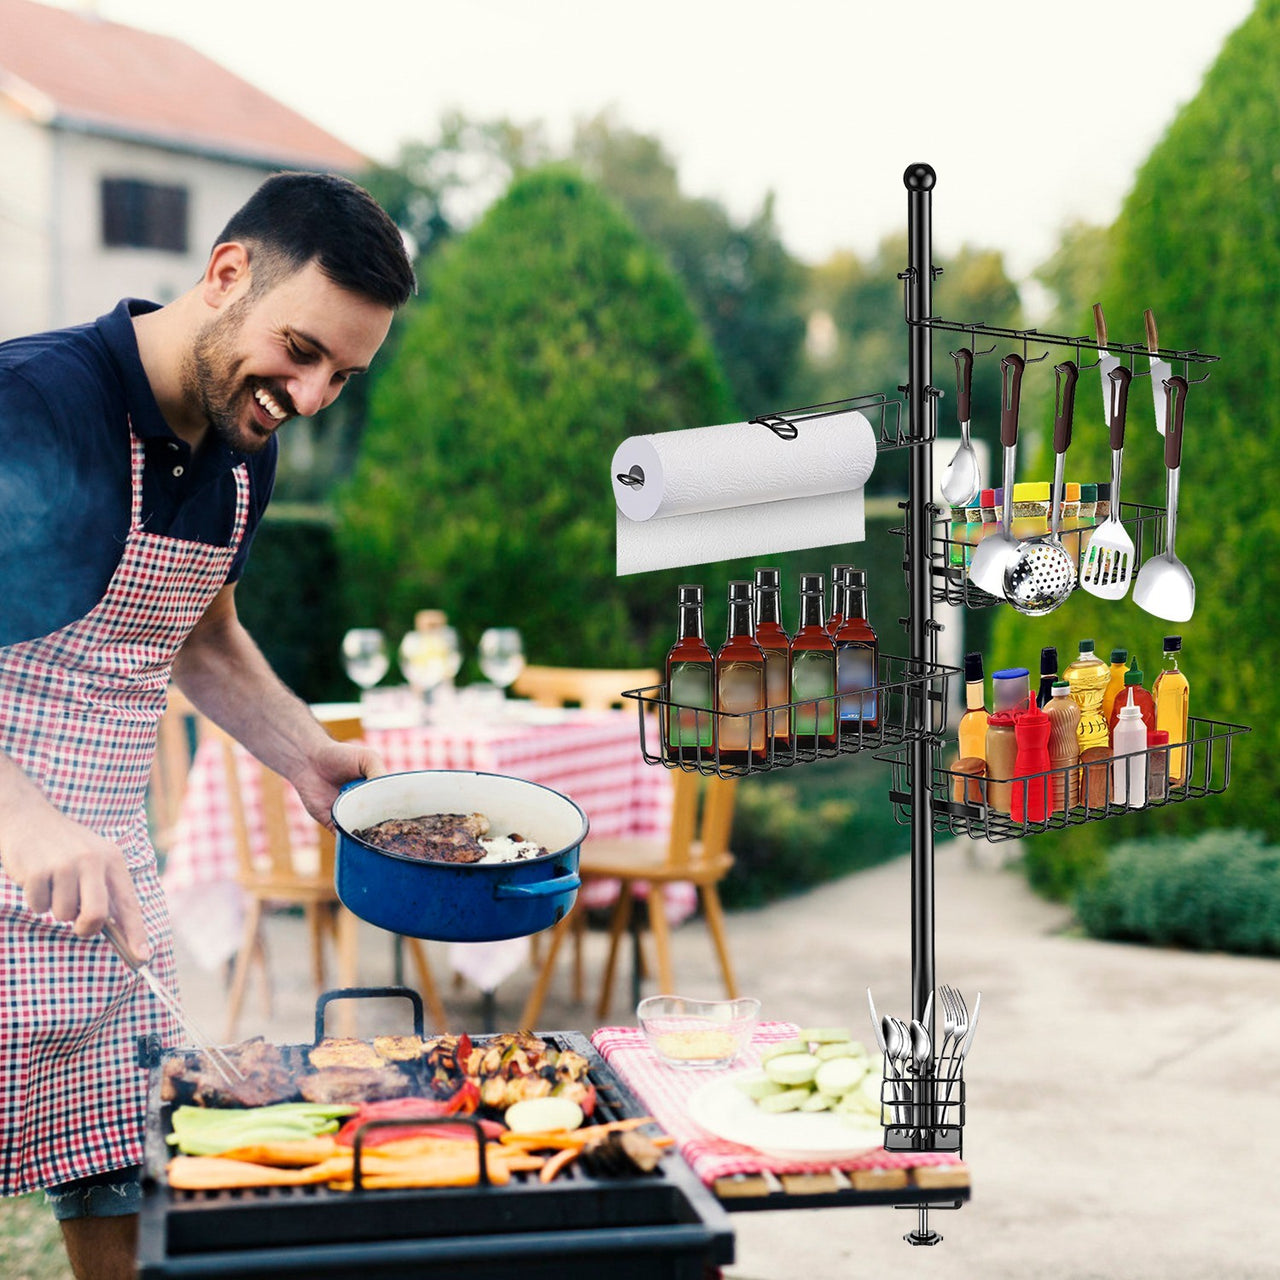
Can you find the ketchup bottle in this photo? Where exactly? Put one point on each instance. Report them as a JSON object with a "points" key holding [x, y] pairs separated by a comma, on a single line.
{"points": [[1029, 801]]}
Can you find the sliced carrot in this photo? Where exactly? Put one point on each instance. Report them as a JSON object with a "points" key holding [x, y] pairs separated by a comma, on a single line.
{"points": [[559, 1161], [215, 1173], [293, 1154]]}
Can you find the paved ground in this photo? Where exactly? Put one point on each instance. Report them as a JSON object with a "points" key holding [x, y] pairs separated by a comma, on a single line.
{"points": [[1124, 1103]]}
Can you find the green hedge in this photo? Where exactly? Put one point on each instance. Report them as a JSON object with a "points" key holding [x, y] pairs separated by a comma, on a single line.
{"points": [[1219, 891]]}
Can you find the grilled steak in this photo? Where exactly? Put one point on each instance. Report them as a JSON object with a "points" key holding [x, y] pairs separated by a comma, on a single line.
{"points": [[431, 837], [355, 1084], [267, 1078]]}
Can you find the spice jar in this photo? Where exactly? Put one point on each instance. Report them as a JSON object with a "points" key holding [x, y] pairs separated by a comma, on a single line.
{"points": [[1010, 688], [989, 505], [1030, 509], [1069, 518], [1158, 765], [1087, 519], [966, 784], [1095, 777]]}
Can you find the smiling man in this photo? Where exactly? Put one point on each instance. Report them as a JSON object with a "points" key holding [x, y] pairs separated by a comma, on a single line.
{"points": [[137, 455]]}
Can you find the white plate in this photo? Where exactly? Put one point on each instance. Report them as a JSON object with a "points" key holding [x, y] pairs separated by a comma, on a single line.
{"points": [[723, 1109]]}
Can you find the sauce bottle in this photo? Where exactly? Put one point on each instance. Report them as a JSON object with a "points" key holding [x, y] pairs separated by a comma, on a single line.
{"points": [[1029, 797], [1048, 674], [837, 615], [1002, 755], [1115, 685], [740, 688], [776, 646], [1134, 691], [813, 672], [1129, 772], [1173, 701], [1088, 676], [971, 732], [690, 722], [857, 661], [1064, 749]]}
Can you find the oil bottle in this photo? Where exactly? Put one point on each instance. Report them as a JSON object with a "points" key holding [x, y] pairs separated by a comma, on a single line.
{"points": [[1088, 675], [971, 732], [1173, 700], [1115, 685]]}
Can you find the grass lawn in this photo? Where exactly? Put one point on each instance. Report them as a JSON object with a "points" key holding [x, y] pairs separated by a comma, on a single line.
{"points": [[30, 1241]]}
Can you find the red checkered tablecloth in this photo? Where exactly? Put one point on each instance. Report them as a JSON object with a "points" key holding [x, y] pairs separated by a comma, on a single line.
{"points": [[592, 757], [666, 1092]]}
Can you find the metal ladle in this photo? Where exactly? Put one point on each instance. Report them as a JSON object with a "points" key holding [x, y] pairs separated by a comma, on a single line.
{"points": [[962, 479], [1043, 574]]}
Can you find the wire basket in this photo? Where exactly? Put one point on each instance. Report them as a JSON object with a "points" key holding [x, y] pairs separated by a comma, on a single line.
{"points": [[908, 702], [964, 804], [922, 1109]]}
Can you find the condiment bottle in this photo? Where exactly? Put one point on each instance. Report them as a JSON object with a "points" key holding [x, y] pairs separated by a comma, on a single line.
{"points": [[1010, 688], [1088, 676], [1158, 768], [971, 732], [1133, 689], [690, 667], [813, 672], [740, 687], [1129, 772], [1115, 685], [1064, 748], [838, 574], [776, 645], [1002, 755], [1173, 702], [1048, 674], [857, 661], [1029, 798], [1030, 509]]}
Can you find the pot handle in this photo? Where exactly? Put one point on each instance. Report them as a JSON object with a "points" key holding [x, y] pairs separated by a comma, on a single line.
{"points": [[543, 889]]}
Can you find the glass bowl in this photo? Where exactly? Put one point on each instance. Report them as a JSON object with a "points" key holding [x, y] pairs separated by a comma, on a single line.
{"points": [[697, 1033]]}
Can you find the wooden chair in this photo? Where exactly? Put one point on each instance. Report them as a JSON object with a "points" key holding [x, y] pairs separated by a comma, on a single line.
{"points": [[592, 688], [277, 880], [695, 850], [175, 748]]}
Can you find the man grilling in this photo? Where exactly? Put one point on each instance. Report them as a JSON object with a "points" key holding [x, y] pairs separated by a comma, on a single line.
{"points": [[137, 455]]}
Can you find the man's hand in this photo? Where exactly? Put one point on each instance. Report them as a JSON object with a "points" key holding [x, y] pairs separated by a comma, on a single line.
{"points": [[329, 770], [64, 868]]}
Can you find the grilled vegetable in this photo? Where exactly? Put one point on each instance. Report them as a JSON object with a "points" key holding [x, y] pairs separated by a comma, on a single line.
{"points": [[543, 1115]]}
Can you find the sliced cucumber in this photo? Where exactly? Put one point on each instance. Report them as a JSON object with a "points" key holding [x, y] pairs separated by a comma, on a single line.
{"points": [[760, 1088], [787, 1100], [840, 1075], [783, 1046], [817, 1101], [792, 1068], [854, 1103], [825, 1035], [840, 1049]]}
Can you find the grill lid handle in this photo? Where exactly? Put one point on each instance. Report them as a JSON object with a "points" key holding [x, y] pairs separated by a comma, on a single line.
{"points": [[369, 993]]}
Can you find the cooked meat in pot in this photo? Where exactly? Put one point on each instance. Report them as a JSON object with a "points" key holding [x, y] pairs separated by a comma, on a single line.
{"points": [[432, 837]]}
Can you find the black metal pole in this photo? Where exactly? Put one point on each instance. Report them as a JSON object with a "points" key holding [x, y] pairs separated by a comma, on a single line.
{"points": [[922, 630]]}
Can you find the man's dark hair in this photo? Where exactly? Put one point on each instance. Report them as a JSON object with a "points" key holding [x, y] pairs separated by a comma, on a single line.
{"points": [[297, 218]]}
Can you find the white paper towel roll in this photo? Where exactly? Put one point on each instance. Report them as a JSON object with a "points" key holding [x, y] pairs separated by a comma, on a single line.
{"points": [[718, 493]]}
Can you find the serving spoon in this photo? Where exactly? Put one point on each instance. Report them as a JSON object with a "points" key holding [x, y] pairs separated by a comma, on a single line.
{"points": [[994, 553], [962, 479]]}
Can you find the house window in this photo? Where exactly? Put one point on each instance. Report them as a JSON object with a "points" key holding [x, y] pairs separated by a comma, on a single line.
{"points": [[143, 215]]}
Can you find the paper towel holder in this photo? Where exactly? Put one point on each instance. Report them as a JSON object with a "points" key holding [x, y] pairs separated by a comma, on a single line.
{"points": [[633, 479]]}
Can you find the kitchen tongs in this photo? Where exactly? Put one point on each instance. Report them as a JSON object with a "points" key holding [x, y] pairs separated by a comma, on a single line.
{"points": [[215, 1056]]}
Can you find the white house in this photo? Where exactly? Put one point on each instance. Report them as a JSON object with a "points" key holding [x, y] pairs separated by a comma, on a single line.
{"points": [[122, 153]]}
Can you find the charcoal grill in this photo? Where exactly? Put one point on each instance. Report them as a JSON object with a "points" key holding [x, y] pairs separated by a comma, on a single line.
{"points": [[663, 1224]]}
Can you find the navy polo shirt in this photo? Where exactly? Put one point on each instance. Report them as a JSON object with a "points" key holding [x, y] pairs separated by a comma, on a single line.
{"points": [[67, 399]]}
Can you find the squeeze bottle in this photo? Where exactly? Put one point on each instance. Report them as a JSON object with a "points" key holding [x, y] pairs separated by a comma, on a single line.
{"points": [[1029, 799], [1064, 748], [1129, 776]]}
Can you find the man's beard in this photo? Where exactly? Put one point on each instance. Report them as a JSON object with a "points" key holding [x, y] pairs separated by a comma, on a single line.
{"points": [[211, 376]]}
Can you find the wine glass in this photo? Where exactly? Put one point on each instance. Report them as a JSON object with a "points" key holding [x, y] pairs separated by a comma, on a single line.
{"points": [[429, 658], [501, 655], [364, 656]]}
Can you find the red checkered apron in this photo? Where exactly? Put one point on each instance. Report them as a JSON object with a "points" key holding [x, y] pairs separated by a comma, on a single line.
{"points": [[78, 712]]}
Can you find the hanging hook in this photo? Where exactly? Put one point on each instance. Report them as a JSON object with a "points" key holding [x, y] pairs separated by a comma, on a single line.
{"points": [[781, 427], [1026, 359]]}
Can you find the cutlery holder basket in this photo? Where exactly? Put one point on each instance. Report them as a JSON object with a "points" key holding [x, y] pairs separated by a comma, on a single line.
{"points": [[924, 1111], [901, 685]]}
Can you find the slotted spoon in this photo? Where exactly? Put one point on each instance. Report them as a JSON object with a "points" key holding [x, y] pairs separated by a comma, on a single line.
{"points": [[993, 554], [1165, 587], [1108, 566], [962, 480], [1043, 574]]}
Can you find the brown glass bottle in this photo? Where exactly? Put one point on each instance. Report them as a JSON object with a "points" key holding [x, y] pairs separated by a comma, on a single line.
{"points": [[776, 644], [813, 673], [740, 686], [690, 669], [837, 615], [857, 662]]}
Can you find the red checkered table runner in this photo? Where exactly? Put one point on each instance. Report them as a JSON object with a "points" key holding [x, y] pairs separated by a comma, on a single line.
{"points": [[666, 1092]]}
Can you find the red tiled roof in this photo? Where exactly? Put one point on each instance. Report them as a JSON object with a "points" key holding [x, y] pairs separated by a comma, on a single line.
{"points": [[106, 76]]}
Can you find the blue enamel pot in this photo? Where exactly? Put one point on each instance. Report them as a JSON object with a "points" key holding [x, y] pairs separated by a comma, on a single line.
{"points": [[459, 902]]}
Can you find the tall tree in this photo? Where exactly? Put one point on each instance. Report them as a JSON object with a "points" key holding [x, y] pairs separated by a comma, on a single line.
{"points": [[1198, 241], [552, 331]]}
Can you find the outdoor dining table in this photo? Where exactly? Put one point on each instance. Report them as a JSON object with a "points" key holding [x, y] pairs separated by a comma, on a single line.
{"points": [[592, 757]]}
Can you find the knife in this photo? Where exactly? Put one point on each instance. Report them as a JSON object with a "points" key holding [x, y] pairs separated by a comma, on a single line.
{"points": [[1106, 361], [1160, 370]]}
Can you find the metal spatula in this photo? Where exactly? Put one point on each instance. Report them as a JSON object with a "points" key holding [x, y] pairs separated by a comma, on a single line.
{"points": [[1108, 567], [1165, 587], [996, 551], [213, 1055]]}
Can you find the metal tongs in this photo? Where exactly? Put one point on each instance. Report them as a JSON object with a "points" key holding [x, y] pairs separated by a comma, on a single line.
{"points": [[222, 1064]]}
